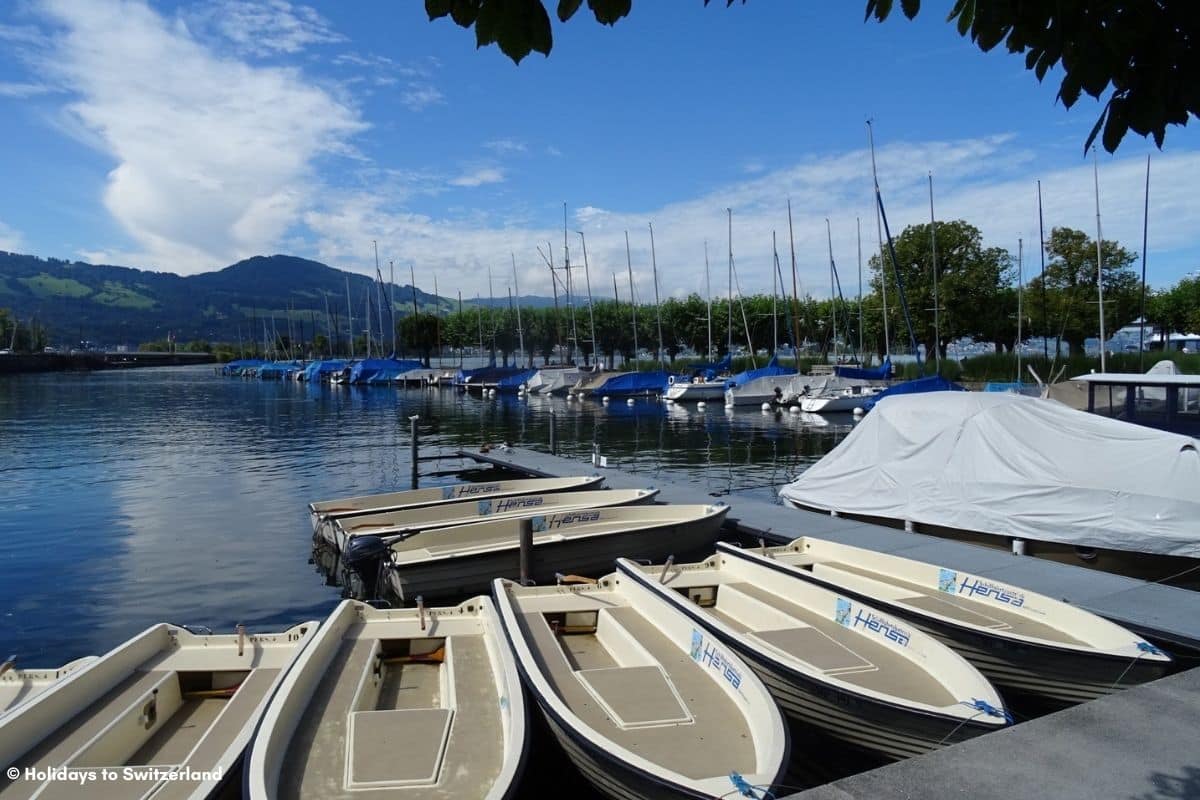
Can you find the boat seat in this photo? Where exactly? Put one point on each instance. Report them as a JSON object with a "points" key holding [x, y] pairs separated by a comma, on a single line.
{"points": [[817, 648], [404, 746], [636, 696]]}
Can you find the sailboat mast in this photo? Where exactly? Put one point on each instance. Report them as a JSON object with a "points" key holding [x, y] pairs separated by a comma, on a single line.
{"points": [[657, 302], [937, 337], [832, 292], [587, 276], [887, 339], [1099, 257], [858, 231], [492, 313], [795, 290], [462, 344], [392, 301], [570, 292], [1042, 253], [437, 318], [349, 316], [729, 215], [1145, 231], [708, 289], [912, 337], [379, 291], [520, 330], [632, 299], [1020, 299], [774, 298]]}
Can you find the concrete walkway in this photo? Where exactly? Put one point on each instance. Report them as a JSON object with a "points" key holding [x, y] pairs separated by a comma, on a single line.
{"points": [[1140, 744]]}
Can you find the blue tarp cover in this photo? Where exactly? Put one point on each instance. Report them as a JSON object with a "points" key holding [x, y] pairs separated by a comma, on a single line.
{"points": [[510, 383], [932, 383], [880, 373], [316, 369], [380, 370], [771, 369], [634, 383]]}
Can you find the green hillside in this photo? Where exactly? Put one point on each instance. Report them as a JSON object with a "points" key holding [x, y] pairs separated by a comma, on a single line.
{"points": [[114, 305]]}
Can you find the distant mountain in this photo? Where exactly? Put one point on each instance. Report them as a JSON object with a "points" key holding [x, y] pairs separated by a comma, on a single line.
{"points": [[114, 305]]}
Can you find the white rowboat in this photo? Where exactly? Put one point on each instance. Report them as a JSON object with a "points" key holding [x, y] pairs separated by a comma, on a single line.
{"points": [[643, 701], [415, 498], [396, 703], [1022, 641], [168, 712], [832, 663]]}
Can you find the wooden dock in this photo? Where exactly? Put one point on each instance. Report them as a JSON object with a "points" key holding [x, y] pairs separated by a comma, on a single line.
{"points": [[1169, 615]]}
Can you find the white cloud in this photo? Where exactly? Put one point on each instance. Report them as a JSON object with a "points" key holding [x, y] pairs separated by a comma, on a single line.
{"points": [[989, 182], [479, 177], [267, 27], [506, 146], [419, 96], [10, 240], [23, 90], [213, 156]]}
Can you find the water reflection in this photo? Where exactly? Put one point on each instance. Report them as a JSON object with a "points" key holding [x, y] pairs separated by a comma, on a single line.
{"points": [[172, 494]]}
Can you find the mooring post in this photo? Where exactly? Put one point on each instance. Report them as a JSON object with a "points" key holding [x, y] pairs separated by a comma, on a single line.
{"points": [[526, 539], [553, 442], [412, 422]]}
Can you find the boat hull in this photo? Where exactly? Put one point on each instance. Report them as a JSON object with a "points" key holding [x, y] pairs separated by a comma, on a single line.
{"points": [[473, 573], [695, 392]]}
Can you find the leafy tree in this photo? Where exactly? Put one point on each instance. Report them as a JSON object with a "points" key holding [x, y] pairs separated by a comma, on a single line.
{"points": [[1070, 282], [970, 280], [1176, 309], [419, 332], [1147, 52]]}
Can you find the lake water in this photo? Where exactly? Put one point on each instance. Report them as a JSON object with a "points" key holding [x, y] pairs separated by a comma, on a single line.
{"points": [[141, 496]]}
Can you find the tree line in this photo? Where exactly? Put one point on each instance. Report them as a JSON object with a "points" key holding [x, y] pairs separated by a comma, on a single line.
{"points": [[984, 293]]}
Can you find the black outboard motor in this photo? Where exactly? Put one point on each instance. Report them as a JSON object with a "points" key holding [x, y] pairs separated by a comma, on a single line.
{"points": [[364, 555]]}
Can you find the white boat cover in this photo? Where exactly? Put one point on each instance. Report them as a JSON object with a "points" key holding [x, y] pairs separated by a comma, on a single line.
{"points": [[1014, 466]]}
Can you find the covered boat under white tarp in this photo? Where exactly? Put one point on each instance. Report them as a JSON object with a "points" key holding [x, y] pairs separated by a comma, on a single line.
{"points": [[1015, 466]]}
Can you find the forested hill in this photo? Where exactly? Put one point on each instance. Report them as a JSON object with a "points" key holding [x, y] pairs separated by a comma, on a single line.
{"points": [[113, 305]]}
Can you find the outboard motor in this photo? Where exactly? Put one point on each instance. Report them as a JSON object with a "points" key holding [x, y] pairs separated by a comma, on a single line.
{"points": [[364, 556]]}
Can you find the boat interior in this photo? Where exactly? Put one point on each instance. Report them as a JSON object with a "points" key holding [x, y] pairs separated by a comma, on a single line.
{"points": [[932, 590], [400, 712], [804, 623], [630, 683], [166, 698]]}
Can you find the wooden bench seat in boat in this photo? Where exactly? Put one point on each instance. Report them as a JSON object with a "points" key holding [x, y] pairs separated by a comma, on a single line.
{"points": [[119, 730], [830, 648], [714, 733], [338, 751]]}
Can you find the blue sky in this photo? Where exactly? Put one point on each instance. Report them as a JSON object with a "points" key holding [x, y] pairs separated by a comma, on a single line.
{"points": [[183, 136]]}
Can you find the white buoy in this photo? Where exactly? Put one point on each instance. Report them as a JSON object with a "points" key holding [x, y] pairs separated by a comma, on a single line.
{"points": [[604, 399], [629, 402], [858, 411], [794, 410], [766, 406], [701, 405]]}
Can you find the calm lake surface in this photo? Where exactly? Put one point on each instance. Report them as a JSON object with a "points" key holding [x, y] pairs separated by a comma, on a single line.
{"points": [[150, 495]]}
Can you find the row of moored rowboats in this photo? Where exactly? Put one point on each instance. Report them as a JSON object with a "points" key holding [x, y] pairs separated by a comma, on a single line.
{"points": [[658, 680]]}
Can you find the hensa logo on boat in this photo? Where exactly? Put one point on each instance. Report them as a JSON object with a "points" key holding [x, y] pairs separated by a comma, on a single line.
{"points": [[563, 520], [468, 490], [706, 653], [978, 587], [872, 622], [511, 504]]}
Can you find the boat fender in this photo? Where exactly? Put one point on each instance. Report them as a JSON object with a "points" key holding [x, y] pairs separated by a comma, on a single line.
{"points": [[671, 379]]}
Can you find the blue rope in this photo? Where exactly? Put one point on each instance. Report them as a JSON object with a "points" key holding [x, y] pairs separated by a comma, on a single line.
{"points": [[746, 789], [1146, 647], [988, 708]]}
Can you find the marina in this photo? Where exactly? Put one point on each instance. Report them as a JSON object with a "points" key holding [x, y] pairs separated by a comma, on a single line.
{"points": [[747, 456]]}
